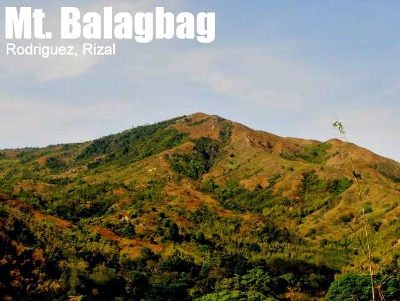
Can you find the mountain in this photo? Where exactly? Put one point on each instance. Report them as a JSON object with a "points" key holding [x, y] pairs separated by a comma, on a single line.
{"points": [[198, 208]]}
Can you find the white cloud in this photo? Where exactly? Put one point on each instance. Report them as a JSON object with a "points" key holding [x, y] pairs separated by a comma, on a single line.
{"points": [[259, 75]]}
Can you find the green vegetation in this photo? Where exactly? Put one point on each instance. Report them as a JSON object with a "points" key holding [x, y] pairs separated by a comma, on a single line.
{"points": [[318, 193], [55, 164], [309, 153], [315, 194], [233, 196], [196, 164], [226, 131], [133, 145], [354, 286], [174, 211], [350, 287], [85, 201], [81, 262]]}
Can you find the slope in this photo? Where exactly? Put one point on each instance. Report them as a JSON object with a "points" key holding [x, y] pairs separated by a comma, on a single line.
{"points": [[197, 194]]}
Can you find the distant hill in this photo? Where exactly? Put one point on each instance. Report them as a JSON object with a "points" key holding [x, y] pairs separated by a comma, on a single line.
{"points": [[196, 208]]}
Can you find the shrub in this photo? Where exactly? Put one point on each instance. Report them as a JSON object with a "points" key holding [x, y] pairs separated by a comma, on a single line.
{"points": [[55, 163]]}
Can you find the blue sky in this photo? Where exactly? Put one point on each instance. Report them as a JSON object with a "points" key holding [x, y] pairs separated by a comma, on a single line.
{"points": [[286, 67]]}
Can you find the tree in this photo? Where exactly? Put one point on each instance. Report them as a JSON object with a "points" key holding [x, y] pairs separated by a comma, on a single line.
{"points": [[129, 230], [350, 287], [173, 233]]}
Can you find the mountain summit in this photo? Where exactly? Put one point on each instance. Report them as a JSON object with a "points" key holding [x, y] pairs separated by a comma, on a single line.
{"points": [[195, 207]]}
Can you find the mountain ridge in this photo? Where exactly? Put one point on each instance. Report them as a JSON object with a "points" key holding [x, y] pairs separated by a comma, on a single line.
{"points": [[196, 189]]}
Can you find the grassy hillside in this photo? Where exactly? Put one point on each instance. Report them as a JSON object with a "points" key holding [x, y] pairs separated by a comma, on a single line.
{"points": [[197, 208]]}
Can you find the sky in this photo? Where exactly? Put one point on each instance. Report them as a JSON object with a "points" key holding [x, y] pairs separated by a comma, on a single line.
{"points": [[286, 67]]}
